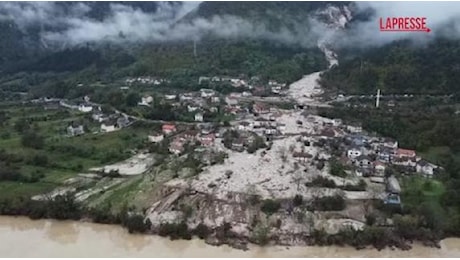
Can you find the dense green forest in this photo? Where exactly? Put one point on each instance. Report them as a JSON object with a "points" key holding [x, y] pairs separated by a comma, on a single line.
{"points": [[399, 67]]}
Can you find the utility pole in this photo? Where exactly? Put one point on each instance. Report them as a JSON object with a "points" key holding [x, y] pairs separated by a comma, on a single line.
{"points": [[194, 48], [377, 100]]}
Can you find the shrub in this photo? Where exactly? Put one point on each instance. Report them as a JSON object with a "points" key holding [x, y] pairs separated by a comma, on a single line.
{"points": [[328, 203], [136, 224], [270, 206], [321, 181], [297, 201]]}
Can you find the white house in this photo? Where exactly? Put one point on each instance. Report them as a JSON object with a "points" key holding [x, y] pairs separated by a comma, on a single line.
{"points": [[215, 99], [353, 153], [354, 128], [199, 117], [110, 127], [155, 138], [231, 101], [85, 108], [170, 97], [192, 108], [336, 122], [425, 168], [205, 93]]}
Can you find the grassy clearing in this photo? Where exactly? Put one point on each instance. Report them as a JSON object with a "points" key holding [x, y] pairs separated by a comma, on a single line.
{"points": [[417, 190], [64, 156]]}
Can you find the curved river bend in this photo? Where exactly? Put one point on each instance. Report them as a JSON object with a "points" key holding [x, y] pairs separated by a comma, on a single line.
{"points": [[22, 237]]}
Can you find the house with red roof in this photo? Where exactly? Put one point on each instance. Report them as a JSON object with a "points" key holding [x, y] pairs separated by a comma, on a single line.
{"points": [[168, 128]]}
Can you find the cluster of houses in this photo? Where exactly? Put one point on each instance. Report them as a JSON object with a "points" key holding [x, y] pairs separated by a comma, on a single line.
{"points": [[252, 83], [204, 137], [147, 80], [371, 155]]}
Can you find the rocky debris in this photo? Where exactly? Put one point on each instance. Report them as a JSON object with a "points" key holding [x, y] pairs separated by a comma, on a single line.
{"points": [[135, 165]]}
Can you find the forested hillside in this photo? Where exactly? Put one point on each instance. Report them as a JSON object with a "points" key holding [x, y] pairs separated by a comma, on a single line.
{"points": [[400, 67]]}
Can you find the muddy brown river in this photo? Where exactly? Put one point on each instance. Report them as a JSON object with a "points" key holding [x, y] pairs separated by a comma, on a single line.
{"points": [[22, 237]]}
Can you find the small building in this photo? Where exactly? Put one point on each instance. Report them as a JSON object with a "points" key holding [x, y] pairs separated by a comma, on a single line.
{"points": [[215, 99], [238, 145], [405, 153], [168, 128], [75, 130], [108, 127], [302, 156], [170, 97], [85, 108], [176, 147], [206, 93], [354, 152], [231, 101], [379, 168], [362, 161], [192, 108], [155, 137], [123, 122], [260, 108], [207, 140], [425, 168], [199, 117], [336, 122], [392, 185], [354, 128]]}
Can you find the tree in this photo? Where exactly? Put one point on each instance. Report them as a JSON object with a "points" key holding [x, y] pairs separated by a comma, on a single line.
{"points": [[270, 206], [32, 140], [132, 99]]}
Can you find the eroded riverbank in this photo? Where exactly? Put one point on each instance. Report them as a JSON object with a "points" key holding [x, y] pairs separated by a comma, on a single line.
{"points": [[22, 237]]}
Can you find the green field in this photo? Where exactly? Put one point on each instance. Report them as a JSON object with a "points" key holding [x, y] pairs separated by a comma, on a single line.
{"points": [[58, 157]]}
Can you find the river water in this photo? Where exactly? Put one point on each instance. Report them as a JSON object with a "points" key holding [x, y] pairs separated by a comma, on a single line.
{"points": [[22, 237]]}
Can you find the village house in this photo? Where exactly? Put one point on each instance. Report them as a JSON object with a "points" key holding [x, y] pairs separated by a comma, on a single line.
{"points": [[244, 126], [231, 101], [336, 122], [170, 97], [425, 168], [85, 108], [301, 156], [199, 117], [206, 93], [362, 161], [260, 108], [393, 190], [207, 140], [246, 94], [384, 154], [146, 100], [354, 152], [215, 99], [155, 137], [176, 147], [186, 97], [192, 108], [238, 145], [75, 130], [109, 126], [379, 168], [203, 79], [123, 122], [189, 135], [354, 128], [168, 128], [405, 153], [390, 143], [409, 163]]}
